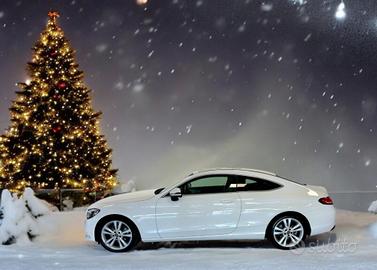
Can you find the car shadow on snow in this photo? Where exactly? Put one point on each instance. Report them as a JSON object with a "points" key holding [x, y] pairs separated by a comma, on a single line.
{"points": [[320, 240], [205, 244]]}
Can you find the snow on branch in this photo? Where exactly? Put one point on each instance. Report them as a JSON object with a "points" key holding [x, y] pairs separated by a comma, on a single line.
{"points": [[20, 216], [373, 207]]}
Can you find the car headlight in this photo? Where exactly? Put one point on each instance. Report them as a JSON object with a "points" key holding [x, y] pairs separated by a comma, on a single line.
{"points": [[92, 212]]}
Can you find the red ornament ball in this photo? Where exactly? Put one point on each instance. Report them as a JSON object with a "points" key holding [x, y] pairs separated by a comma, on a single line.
{"points": [[53, 53], [62, 85], [56, 129]]}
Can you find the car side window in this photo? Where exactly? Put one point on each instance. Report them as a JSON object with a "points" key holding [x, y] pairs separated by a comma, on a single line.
{"points": [[255, 184], [207, 184]]}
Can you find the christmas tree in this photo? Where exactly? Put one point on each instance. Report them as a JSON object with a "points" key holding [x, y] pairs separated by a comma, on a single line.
{"points": [[53, 141]]}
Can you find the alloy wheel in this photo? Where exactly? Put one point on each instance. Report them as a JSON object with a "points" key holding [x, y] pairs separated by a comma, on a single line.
{"points": [[288, 232], [116, 235]]}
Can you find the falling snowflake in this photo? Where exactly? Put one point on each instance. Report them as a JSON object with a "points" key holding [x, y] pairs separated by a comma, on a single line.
{"points": [[266, 7], [119, 85], [188, 129], [340, 13], [138, 87], [101, 48], [242, 27], [308, 36], [298, 2], [212, 59]]}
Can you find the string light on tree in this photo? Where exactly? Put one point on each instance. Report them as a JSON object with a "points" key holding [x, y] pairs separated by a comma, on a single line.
{"points": [[54, 140], [340, 12]]}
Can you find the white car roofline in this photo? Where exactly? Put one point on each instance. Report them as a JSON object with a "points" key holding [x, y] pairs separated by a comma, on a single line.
{"points": [[233, 169]]}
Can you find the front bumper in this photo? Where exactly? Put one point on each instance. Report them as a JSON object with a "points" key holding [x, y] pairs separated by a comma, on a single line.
{"points": [[90, 225]]}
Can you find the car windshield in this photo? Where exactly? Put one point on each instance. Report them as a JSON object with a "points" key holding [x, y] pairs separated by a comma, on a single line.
{"points": [[158, 191]]}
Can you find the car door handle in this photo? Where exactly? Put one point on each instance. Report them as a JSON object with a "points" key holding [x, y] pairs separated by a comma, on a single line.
{"points": [[226, 201]]}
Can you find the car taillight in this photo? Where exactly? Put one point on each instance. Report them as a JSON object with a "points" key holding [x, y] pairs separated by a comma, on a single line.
{"points": [[326, 200]]}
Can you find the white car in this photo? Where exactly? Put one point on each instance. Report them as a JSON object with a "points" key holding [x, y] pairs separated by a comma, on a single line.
{"points": [[218, 204]]}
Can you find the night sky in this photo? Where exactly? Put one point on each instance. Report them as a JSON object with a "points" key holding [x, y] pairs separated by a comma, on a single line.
{"points": [[283, 86]]}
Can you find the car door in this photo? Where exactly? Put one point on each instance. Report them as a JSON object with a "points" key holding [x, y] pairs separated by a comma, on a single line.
{"points": [[261, 201], [209, 206]]}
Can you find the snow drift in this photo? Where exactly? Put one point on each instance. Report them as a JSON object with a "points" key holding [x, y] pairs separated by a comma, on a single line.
{"points": [[21, 218], [373, 207], [350, 246]]}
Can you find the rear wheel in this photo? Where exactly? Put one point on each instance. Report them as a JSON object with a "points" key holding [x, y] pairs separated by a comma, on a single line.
{"points": [[287, 232], [118, 235]]}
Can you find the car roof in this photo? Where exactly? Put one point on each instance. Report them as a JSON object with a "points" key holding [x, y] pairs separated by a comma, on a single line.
{"points": [[214, 170]]}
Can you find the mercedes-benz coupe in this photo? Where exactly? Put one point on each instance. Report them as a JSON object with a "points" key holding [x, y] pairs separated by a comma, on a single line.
{"points": [[218, 204]]}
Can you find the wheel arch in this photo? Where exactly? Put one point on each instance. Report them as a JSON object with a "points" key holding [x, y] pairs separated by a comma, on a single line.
{"points": [[103, 220], [295, 214]]}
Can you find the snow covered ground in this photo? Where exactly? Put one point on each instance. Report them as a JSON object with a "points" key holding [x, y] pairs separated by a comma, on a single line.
{"points": [[353, 245]]}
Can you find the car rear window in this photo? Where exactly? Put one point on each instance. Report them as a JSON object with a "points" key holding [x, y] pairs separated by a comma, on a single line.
{"points": [[255, 184]]}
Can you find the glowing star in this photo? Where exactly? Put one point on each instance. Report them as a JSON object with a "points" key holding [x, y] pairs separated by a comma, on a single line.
{"points": [[141, 2], [340, 13], [53, 15]]}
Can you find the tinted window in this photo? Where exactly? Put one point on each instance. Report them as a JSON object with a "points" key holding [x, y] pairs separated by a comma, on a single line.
{"points": [[255, 184], [207, 184]]}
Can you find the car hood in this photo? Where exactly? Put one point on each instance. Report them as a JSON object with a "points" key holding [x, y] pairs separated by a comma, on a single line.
{"points": [[126, 197]]}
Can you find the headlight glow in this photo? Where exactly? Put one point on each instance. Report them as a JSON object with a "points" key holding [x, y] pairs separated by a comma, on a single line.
{"points": [[92, 212]]}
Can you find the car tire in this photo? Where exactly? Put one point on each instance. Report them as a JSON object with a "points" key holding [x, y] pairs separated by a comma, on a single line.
{"points": [[287, 232], [118, 235]]}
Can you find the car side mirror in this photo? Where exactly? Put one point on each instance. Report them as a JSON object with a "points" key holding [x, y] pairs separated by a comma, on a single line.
{"points": [[175, 194]]}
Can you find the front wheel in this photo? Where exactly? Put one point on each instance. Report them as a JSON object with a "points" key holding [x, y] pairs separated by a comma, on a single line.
{"points": [[287, 233], [118, 235]]}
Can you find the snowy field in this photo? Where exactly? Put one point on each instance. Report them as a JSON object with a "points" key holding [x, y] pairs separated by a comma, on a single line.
{"points": [[353, 245]]}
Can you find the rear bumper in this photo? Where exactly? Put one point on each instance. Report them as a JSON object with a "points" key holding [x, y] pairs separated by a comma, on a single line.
{"points": [[322, 220]]}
